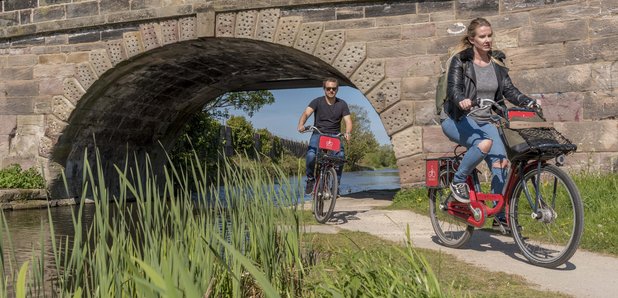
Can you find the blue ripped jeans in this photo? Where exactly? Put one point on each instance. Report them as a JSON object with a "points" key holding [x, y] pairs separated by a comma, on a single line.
{"points": [[467, 132], [311, 153]]}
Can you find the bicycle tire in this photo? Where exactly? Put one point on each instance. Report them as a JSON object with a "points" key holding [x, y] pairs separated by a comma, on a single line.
{"points": [[452, 232], [325, 196], [552, 239]]}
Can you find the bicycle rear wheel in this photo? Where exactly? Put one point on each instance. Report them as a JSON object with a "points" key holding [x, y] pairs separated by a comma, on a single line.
{"points": [[550, 236], [325, 196], [451, 231]]}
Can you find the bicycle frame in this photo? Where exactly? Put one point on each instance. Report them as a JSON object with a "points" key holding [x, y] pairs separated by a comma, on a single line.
{"points": [[477, 211]]}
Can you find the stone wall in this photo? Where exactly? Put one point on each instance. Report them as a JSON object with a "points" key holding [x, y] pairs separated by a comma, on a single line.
{"points": [[72, 69]]}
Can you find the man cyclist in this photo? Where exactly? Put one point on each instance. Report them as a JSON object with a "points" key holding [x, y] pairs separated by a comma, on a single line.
{"points": [[329, 111]]}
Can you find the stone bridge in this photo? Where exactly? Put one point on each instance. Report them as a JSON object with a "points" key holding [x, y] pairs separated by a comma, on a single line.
{"points": [[126, 74]]}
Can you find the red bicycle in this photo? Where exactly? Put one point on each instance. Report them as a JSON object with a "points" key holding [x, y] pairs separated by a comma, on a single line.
{"points": [[542, 203], [326, 187]]}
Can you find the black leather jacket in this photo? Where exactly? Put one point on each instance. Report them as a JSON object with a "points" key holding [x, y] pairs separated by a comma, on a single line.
{"points": [[463, 85]]}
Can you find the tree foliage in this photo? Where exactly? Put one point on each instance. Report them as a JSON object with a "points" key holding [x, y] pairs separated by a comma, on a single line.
{"points": [[362, 139], [270, 146], [202, 133], [242, 135], [247, 101], [383, 157]]}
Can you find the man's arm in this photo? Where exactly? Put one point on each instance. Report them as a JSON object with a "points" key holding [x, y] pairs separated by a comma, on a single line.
{"points": [[303, 118], [348, 126]]}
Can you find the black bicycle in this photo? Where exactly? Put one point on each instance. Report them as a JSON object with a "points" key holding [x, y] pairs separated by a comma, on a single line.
{"points": [[326, 187]]}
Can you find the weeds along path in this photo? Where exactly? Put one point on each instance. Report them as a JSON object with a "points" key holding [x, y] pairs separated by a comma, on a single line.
{"points": [[585, 275]]}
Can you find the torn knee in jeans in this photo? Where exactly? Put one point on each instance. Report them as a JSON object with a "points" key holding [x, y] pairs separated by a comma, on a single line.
{"points": [[485, 145]]}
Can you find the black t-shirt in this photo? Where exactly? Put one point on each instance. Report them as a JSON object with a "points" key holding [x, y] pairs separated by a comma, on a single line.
{"points": [[328, 117]]}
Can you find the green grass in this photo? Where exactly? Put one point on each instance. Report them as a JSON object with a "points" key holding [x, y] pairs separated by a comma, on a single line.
{"points": [[349, 257], [599, 195]]}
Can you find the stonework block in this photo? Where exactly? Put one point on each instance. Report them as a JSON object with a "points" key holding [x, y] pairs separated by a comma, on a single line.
{"points": [[16, 73], [441, 45], [133, 43], [394, 49], [116, 50], [169, 31], [598, 106], [329, 45], [9, 19], [78, 57], [188, 28], [345, 13], [83, 9], [394, 9], [73, 90], [398, 117], [402, 20], [150, 35], [46, 146], [53, 58], [385, 95], [51, 13], [22, 60], [604, 48], [541, 56], [287, 29], [245, 24], [7, 124], [553, 32], [16, 105], [591, 136], [85, 75], [368, 75], [411, 170], [417, 31], [514, 5], [350, 24], [51, 86], [592, 162], [420, 65], [425, 113], [564, 13], [267, 24], [418, 88], [53, 71], [206, 23], [510, 21], [373, 34], [308, 37], [225, 24], [559, 79], [54, 127], [408, 142], [115, 5], [21, 88], [435, 6], [100, 62], [350, 57], [506, 39], [434, 140], [579, 52], [475, 8]]}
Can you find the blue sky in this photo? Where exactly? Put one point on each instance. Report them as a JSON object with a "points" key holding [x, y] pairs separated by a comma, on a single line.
{"points": [[281, 118]]}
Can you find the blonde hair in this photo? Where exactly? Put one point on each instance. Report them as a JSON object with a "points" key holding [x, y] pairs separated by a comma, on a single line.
{"points": [[464, 42]]}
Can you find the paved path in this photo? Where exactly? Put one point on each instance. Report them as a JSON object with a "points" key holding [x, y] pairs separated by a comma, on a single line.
{"points": [[585, 275]]}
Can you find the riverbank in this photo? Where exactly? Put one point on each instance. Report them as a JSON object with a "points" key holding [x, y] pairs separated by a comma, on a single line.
{"points": [[20, 199], [587, 274]]}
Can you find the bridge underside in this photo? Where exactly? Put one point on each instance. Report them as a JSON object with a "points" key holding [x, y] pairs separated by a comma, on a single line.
{"points": [[148, 98]]}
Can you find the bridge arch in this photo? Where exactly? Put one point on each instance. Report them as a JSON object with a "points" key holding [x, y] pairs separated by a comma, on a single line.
{"points": [[139, 90]]}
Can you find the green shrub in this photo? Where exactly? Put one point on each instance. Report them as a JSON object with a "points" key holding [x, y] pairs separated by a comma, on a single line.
{"points": [[14, 177]]}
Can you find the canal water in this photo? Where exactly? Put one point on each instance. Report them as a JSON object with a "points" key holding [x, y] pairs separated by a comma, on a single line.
{"points": [[29, 227]]}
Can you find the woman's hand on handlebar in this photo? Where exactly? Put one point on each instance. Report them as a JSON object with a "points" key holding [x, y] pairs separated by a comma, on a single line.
{"points": [[465, 104]]}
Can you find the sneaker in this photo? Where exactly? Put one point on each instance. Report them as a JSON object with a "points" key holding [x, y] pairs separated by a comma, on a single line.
{"points": [[309, 186], [461, 192]]}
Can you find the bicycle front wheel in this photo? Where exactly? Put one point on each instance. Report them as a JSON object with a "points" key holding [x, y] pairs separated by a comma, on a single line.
{"points": [[451, 231], [548, 234], [325, 196]]}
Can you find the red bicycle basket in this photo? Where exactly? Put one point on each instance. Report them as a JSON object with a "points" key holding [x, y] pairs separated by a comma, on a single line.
{"points": [[330, 143], [521, 114]]}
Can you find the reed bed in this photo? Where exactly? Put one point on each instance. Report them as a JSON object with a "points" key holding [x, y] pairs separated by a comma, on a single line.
{"points": [[175, 235]]}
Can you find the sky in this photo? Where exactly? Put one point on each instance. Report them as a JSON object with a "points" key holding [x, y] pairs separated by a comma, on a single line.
{"points": [[281, 117]]}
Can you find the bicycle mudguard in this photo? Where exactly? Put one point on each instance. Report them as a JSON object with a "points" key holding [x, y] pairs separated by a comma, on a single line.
{"points": [[330, 143]]}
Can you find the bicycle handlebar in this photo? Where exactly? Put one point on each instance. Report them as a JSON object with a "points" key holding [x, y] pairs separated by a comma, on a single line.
{"points": [[312, 128]]}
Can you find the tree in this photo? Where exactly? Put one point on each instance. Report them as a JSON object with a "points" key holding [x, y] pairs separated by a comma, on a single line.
{"points": [[247, 101], [362, 140], [242, 134], [270, 146]]}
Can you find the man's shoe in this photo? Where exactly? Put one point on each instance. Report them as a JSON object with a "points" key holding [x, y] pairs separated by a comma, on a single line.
{"points": [[309, 186], [461, 192]]}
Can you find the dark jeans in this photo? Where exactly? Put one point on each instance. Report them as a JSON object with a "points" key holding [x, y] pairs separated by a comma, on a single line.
{"points": [[311, 153]]}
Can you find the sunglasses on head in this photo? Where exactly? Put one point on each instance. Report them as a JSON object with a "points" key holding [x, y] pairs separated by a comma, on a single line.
{"points": [[330, 88]]}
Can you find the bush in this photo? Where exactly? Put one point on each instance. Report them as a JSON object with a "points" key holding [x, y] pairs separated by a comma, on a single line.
{"points": [[14, 177]]}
